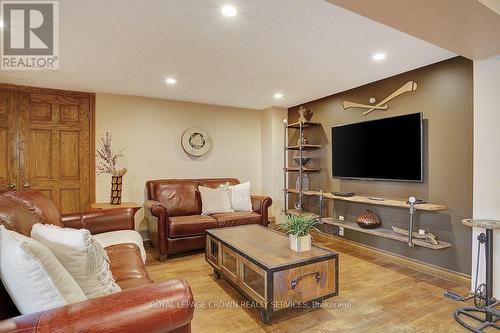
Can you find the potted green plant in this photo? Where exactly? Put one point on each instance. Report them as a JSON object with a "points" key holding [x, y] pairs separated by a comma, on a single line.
{"points": [[297, 227]]}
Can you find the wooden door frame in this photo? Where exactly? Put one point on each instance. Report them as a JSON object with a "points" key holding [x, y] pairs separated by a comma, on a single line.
{"points": [[11, 153], [69, 93]]}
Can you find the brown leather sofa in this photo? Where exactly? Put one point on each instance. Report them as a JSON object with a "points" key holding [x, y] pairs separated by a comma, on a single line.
{"points": [[131, 310], [173, 211]]}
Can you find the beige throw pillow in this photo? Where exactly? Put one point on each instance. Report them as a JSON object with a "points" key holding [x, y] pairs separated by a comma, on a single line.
{"points": [[240, 197], [33, 277], [215, 200], [84, 258]]}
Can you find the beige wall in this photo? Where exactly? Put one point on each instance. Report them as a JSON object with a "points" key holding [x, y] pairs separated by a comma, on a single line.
{"points": [[444, 95], [487, 160], [150, 131]]}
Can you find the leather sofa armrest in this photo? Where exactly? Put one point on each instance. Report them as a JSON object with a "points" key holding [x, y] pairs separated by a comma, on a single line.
{"points": [[154, 208], [260, 205], [157, 216], [159, 307], [101, 220]]}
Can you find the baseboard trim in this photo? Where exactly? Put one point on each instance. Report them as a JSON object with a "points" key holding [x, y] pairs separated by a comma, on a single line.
{"points": [[429, 269]]}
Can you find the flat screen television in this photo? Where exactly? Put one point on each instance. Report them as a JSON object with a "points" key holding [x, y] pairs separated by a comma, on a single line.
{"points": [[383, 149]]}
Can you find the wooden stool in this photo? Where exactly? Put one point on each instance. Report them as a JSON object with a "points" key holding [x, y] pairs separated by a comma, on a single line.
{"points": [[483, 295]]}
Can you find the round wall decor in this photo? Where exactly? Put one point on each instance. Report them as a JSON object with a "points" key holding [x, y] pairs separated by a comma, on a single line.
{"points": [[195, 141]]}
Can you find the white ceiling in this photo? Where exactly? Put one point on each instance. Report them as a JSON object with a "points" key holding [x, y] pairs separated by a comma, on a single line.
{"points": [[305, 49]]}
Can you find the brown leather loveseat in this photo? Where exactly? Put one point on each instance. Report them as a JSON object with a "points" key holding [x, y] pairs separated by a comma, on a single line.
{"points": [[131, 310], [173, 211]]}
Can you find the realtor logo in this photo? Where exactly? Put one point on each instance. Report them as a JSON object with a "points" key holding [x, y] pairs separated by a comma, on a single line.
{"points": [[30, 35]]}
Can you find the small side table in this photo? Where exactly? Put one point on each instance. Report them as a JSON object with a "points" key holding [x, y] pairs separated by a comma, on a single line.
{"points": [[484, 303]]}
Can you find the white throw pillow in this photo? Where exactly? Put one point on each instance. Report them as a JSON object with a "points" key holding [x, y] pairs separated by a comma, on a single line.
{"points": [[215, 200], [240, 197], [84, 258], [122, 237], [33, 277]]}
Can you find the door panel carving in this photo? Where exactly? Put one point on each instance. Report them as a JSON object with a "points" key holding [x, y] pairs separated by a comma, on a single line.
{"points": [[69, 154], [40, 155]]}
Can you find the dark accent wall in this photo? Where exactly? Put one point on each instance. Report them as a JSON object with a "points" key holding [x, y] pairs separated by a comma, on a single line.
{"points": [[445, 97]]}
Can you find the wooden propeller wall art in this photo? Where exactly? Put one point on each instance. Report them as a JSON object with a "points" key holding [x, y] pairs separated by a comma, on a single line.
{"points": [[407, 87]]}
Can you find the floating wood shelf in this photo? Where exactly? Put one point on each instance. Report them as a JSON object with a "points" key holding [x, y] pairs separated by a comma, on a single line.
{"points": [[301, 212], [363, 199], [304, 124], [305, 170], [304, 147], [385, 233]]}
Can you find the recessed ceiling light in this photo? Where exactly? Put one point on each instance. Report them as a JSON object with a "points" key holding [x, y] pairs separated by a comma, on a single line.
{"points": [[171, 81], [378, 56], [229, 10], [1, 24], [278, 96]]}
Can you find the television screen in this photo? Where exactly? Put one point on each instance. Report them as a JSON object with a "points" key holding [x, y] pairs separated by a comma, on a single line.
{"points": [[384, 149]]}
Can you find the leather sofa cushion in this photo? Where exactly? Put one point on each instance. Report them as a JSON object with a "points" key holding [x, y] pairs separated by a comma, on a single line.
{"points": [[134, 283], [191, 225], [39, 205], [125, 262], [16, 217], [237, 218], [214, 183], [180, 198]]}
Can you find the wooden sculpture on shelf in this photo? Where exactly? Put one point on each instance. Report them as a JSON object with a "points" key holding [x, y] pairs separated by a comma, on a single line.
{"points": [[305, 114], [407, 87], [429, 238]]}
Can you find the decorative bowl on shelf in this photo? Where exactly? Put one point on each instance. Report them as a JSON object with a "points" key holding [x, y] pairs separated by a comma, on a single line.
{"points": [[368, 220], [305, 160]]}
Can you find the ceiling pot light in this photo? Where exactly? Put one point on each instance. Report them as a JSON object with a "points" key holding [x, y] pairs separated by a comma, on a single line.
{"points": [[278, 96], [229, 10], [378, 56], [171, 81]]}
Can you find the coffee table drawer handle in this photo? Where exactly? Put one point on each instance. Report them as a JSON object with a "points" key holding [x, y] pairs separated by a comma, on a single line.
{"points": [[295, 281]]}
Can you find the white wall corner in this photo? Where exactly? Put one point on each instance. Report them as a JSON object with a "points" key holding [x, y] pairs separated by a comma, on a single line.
{"points": [[486, 199], [272, 156]]}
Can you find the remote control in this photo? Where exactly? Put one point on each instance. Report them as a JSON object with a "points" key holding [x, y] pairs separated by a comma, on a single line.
{"points": [[343, 194]]}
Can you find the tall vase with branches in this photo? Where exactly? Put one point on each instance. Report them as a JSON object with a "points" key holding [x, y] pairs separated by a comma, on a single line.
{"points": [[107, 161]]}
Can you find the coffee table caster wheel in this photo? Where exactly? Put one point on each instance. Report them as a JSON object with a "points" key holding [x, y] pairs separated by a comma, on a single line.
{"points": [[264, 317], [216, 274]]}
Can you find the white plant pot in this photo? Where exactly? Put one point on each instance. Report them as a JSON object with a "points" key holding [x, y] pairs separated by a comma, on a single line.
{"points": [[299, 244]]}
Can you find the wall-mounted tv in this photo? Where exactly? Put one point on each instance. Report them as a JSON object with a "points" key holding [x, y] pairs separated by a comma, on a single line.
{"points": [[383, 149]]}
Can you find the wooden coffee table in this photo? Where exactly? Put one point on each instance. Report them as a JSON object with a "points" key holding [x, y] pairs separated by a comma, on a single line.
{"points": [[258, 263]]}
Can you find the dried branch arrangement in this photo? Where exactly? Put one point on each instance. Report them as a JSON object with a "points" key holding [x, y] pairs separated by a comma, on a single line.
{"points": [[107, 159]]}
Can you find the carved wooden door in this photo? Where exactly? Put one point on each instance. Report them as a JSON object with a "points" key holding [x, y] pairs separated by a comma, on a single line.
{"points": [[9, 164], [56, 154]]}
